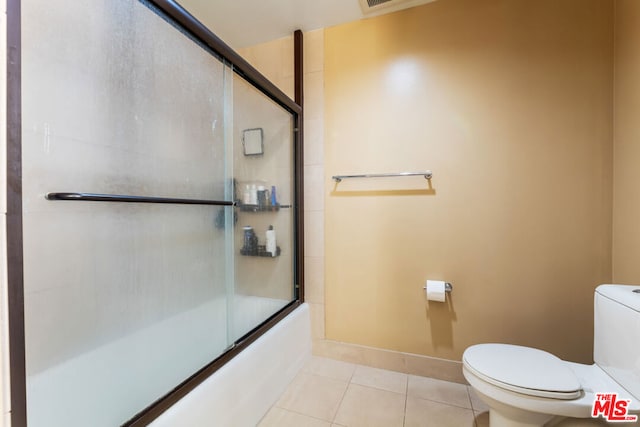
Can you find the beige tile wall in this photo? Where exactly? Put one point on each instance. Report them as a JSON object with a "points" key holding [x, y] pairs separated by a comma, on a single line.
{"points": [[314, 179], [274, 59]]}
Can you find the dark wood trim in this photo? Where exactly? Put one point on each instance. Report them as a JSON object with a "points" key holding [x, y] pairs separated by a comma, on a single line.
{"points": [[197, 30], [15, 274], [161, 405], [298, 61]]}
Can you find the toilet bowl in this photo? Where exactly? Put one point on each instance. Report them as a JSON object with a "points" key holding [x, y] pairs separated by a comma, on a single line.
{"points": [[527, 387]]}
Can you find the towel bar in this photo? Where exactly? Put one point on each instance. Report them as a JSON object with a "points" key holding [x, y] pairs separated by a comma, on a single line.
{"points": [[426, 174]]}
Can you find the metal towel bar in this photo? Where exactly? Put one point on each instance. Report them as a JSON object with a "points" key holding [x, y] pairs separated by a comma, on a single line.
{"points": [[426, 174]]}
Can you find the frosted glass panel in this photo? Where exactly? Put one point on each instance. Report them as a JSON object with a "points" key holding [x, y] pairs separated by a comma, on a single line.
{"points": [[122, 301], [263, 280]]}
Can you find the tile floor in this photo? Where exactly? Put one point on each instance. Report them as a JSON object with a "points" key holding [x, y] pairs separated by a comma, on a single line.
{"points": [[330, 393]]}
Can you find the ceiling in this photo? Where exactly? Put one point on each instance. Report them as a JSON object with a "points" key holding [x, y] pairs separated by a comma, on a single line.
{"points": [[242, 23]]}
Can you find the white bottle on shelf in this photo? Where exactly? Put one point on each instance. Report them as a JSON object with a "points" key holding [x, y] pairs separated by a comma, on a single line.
{"points": [[246, 195], [254, 194], [271, 241]]}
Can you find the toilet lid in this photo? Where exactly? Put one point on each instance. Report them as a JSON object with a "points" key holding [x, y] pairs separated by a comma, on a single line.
{"points": [[523, 370]]}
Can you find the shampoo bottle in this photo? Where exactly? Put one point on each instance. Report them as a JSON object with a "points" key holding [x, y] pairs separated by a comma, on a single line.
{"points": [[271, 241]]}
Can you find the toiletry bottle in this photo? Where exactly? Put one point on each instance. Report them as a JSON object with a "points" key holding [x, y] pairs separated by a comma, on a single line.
{"points": [[246, 195], [247, 240], [254, 194], [262, 196], [271, 241], [274, 200]]}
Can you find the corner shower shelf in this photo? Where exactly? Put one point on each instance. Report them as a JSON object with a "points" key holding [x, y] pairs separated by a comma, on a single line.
{"points": [[262, 252], [258, 208]]}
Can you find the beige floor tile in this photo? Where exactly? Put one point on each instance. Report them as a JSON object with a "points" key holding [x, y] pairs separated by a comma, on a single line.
{"points": [[331, 368], [370, 407], [313, 395], [425, 413], [476, 403], [380, 378], [278, 417], [439, 391]]}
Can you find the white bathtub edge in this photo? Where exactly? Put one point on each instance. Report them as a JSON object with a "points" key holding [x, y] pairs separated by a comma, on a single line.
{"points": [[242, 391]]}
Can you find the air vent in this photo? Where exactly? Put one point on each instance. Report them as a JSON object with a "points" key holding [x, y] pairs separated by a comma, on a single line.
{"points": [[379, 7], [373, 3]]}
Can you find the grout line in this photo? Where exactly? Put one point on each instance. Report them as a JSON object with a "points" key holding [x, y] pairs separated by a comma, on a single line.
{"points": [[312, 374], [444, 403], [298, 413], [473, 412], [406, 398], [333, 419], [380, 388], [469, 397], [353, 373]]}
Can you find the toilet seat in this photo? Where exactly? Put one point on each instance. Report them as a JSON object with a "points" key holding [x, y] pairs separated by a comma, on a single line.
{"points": [[523, 370]]}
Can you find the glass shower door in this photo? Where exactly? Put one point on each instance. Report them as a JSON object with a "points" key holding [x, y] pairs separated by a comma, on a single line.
{"points": [[123, 301], [263, 151], [159, 208]]}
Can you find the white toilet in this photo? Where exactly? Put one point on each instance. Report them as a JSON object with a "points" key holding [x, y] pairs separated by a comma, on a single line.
{"points": [[528, 387]]}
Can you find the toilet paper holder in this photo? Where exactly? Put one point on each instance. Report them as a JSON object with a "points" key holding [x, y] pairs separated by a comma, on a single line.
{"points": [[448, 287]]}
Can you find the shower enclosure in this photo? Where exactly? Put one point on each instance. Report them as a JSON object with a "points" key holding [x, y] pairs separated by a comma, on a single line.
{"points": [[161, 220]]}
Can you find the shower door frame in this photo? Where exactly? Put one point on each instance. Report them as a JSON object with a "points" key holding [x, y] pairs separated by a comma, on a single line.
{"points": [[179, 17]]}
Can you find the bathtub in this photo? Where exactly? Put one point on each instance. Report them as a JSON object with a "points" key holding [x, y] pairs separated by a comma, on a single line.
{"points": [[238, 394], [243, 390]]}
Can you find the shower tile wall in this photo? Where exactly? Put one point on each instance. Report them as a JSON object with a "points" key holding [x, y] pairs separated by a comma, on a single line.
{"points": [[313, 179], [265, 277], [275, 60]]}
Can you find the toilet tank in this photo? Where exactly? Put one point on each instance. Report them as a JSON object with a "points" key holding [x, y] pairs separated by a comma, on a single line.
{"points": [[616, 345]]}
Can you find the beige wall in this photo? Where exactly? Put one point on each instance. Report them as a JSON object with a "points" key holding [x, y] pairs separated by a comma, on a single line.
{"points": [[626, 196], [510, 104]]}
